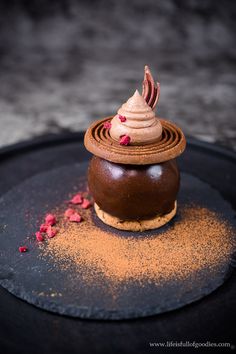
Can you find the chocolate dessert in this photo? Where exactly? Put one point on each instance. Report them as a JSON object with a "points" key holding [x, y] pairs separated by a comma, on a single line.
{"points": [[133, 175]]}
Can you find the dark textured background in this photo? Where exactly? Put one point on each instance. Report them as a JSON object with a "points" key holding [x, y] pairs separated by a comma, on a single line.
{"points": [[65, 63]]}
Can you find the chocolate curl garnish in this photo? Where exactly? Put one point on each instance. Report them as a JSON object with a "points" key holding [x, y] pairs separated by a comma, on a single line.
{"points": [[151, 90]]}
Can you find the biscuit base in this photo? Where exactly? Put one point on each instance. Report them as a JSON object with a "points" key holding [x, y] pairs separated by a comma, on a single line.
{"points": [[135, 225]]}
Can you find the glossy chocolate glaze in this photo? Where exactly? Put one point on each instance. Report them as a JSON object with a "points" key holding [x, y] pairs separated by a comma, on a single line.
{"points": [[133, 192]]}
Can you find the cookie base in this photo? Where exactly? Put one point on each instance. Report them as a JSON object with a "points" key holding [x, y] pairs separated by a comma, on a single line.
{"points": [[135, 225]]}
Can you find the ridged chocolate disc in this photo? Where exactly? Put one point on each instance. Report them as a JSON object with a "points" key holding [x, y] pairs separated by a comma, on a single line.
{"points": [[99, 142]]}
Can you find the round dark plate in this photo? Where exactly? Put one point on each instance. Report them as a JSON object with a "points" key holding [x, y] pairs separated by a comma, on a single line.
{"points": [[22, 323], [37, 277]]}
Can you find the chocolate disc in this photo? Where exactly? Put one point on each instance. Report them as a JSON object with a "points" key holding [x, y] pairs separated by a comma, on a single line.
{"points": [[99, 142]]}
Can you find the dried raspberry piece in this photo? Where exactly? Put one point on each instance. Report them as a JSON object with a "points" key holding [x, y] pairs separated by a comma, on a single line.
{"points": [[107, 125], [75, 217], [23, 249], [43, 228], [51, 232], [69, 212], [124, 140], [86, 204], [50, 219], [122, 118], [77, 199], [39, 236]]}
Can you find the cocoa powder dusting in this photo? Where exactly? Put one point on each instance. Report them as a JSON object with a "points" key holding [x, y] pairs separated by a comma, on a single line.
{"points": [[198, 239]]}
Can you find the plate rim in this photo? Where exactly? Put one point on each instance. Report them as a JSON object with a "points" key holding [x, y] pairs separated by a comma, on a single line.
{"points": [[44, 141]]}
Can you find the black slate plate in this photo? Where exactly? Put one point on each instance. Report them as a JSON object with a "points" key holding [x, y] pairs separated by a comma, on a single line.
{"points": [[35, 279], [43, 332]]}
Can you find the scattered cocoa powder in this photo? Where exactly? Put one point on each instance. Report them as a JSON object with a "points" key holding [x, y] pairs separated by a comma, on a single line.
{"points": [[198, 239]]}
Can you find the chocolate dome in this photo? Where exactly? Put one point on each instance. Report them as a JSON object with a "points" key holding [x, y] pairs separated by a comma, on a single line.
{"points": [[133, 192]]}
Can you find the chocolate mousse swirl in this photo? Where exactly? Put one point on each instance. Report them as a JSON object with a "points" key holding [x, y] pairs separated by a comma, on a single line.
{"points": [[151, 90], [137, 120]]}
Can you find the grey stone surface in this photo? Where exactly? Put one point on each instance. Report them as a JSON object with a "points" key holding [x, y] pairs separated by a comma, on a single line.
{"points": [[62, 67]]}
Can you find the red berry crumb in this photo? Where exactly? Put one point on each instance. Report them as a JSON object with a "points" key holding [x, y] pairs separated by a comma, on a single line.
{"points": [[69, 212], [122, 118], [124, 140], [77, 199], [75, 217], [43, 228], [23, 249], [86, 204], [39, 236], [107, 125], [50, 219], [51, 232]]}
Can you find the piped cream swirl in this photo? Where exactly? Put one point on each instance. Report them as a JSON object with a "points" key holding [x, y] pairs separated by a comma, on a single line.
{"points": [[141, 125]]}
